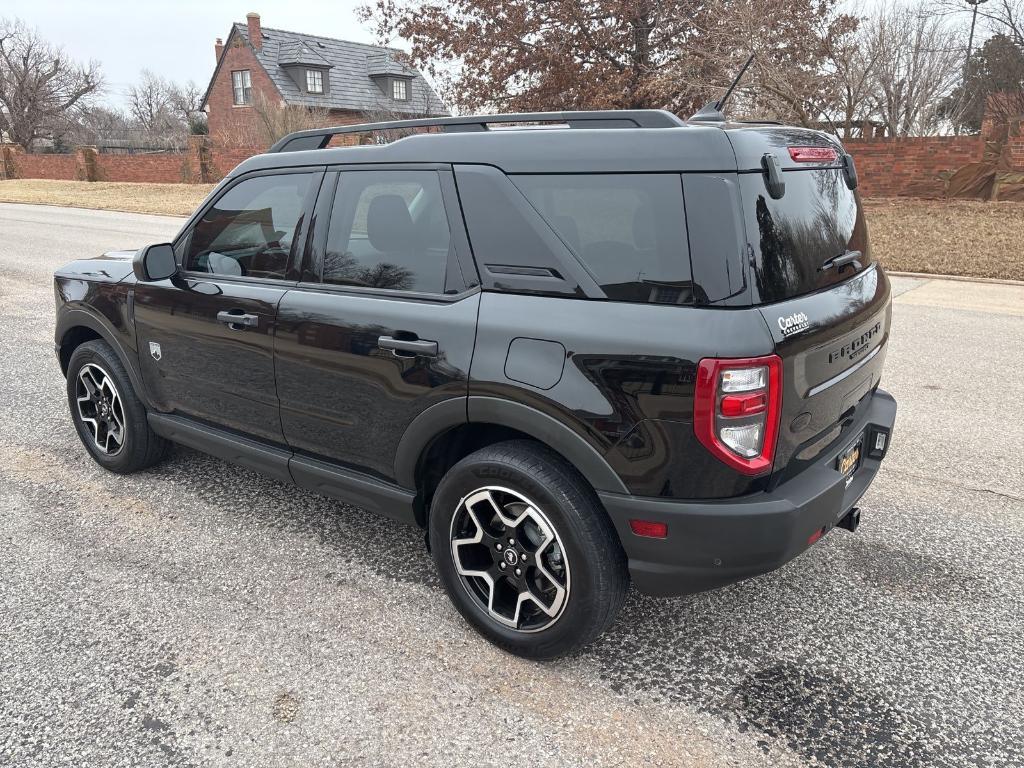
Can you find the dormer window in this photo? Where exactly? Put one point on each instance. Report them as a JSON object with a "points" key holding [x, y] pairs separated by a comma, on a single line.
{"points": [[399, 90], [314, 81]]}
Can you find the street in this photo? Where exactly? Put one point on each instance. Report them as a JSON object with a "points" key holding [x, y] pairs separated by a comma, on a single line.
{"points": [[199, 614]]}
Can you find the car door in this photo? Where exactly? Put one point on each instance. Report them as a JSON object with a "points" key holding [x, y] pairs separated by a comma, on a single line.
{"points": [[382, 325], [206, 336]]}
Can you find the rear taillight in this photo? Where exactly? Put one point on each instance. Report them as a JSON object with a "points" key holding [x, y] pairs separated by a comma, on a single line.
{"points": [[736, 406]]}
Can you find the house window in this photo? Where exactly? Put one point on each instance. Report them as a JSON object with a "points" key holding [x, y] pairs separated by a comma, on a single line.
{"points": [[314, 81], [241, 85], [399, 90]]}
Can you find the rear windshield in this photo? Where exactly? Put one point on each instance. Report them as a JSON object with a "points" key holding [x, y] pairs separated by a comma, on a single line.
{"points": [[817, 219], [628, 229]]}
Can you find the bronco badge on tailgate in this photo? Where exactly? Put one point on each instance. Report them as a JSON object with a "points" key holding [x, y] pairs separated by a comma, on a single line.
{"points": [[855, 347]]}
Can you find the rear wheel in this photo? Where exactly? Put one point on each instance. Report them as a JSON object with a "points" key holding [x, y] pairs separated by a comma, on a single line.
{"points": [[525, 550], [108, 415]]}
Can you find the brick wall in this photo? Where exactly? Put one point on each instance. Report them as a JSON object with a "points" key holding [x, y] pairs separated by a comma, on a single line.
{"points": [[202, 162], [152, 168], [45, 166], [886, 167], [1015, 152], [912, 167], [225, 159]]}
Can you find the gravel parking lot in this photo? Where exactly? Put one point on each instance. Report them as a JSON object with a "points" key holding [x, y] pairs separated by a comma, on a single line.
{"points": [[198, 614]]}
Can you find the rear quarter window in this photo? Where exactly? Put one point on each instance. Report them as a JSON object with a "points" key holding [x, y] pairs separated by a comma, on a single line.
{"points": [[628, 230]]}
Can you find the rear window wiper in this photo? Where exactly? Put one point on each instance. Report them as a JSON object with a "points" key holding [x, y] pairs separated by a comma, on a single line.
{"points": [[840, 261]]}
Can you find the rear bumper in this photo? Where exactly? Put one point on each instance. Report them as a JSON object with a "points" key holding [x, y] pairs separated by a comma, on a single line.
{"points": [[714, 543]]}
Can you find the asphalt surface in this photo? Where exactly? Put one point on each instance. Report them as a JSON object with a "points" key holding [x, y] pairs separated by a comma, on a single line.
{"points": [[198, 614]]}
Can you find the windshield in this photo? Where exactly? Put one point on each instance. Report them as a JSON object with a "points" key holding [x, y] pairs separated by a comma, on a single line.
{"points": [[817, 219]]}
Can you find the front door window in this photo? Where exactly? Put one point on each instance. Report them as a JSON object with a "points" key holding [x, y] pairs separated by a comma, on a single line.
{"points": [[250, 230]]}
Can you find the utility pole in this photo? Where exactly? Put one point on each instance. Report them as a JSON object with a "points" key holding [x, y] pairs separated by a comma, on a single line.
{"points": [[970, 38], [967, 59]]}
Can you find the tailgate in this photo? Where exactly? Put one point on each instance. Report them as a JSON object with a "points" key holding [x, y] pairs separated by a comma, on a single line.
{"points": [[832, 344]]}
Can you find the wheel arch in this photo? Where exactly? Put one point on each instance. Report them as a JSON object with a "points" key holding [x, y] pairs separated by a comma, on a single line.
{"points": [[444, 433], [76, 326]]}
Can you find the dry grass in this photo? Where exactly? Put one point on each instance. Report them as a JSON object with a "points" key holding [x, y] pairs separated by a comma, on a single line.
{"points": [[171, 199], [954, 237]]}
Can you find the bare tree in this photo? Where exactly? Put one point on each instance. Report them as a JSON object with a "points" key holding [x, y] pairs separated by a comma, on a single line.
{"points": [[187, 101], [276, 120], [41, 88], [917, 60], [789, 79], [851, 62], [149, 103], [383, 112], [1008, 14], [1005, 16], [96, 124], [163, 112]]}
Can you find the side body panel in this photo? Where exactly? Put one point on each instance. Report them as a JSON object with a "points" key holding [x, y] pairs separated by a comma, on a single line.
{"points": [[97, 294], [206, 369], [346, 399], [626, 384], [85, 303]]}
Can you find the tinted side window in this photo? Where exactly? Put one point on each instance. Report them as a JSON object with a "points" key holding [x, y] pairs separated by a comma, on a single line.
{"points": [[249, 231], [629, 230], [388, 229], [513, 247]]}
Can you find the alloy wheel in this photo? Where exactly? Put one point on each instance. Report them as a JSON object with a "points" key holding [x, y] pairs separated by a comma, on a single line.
{"points": [[100, 408], [510, 558]]}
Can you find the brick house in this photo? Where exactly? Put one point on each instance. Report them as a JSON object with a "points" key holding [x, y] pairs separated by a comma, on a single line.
{"points": [[355, 82]]}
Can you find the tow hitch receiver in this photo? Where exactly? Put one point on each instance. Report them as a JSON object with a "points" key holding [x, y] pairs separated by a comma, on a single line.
{"points": [[850, 520]]}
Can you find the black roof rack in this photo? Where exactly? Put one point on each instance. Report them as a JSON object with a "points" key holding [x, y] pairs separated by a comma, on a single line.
{"points": [[318, 138]]}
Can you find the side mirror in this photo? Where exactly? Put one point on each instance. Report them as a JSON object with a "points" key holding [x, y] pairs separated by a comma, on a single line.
{"points": [[155, 262]]}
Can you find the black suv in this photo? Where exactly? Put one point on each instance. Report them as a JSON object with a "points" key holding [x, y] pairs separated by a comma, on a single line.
{"points": [[577, 348]]}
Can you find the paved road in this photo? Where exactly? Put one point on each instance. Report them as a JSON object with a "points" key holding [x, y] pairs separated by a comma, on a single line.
{"points": [[198, 614]]}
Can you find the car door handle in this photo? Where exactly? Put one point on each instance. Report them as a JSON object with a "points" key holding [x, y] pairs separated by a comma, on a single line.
{"points": [[408, 347], [235, 318]]}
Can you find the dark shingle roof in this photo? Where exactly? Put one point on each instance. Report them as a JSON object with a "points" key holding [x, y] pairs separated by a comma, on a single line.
{"points": [[351, 65], [385, 64], [300, 52]]}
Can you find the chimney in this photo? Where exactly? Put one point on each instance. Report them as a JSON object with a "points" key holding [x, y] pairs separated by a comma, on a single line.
{"points": [[218, 48], [255, 31]]}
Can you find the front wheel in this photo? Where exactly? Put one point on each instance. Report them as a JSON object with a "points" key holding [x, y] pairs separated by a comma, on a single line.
{"points": [[525, 550], [108, 415]]}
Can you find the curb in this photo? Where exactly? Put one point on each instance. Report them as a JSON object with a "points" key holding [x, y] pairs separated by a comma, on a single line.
{"points": [[109, 210], [957, 278]]}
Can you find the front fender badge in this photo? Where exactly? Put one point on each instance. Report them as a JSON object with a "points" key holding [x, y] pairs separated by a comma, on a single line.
{"points": [[154, 350]]}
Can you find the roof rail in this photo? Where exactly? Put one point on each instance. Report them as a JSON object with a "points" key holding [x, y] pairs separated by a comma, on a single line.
{"points": [[318, 138]]}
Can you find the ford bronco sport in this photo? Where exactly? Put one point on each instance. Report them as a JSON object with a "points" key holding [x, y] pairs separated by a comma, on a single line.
{"points": [[579, 349]]}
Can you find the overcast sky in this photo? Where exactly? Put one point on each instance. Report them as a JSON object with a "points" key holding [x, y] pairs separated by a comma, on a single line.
{"points": [[173, 38]]}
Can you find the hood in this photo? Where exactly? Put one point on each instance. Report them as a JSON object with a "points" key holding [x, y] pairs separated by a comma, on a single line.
{"points": [[111, 267]]}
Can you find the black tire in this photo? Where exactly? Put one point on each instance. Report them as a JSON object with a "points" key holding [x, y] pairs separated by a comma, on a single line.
{"points": [[594, 577], [139, 446]]}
